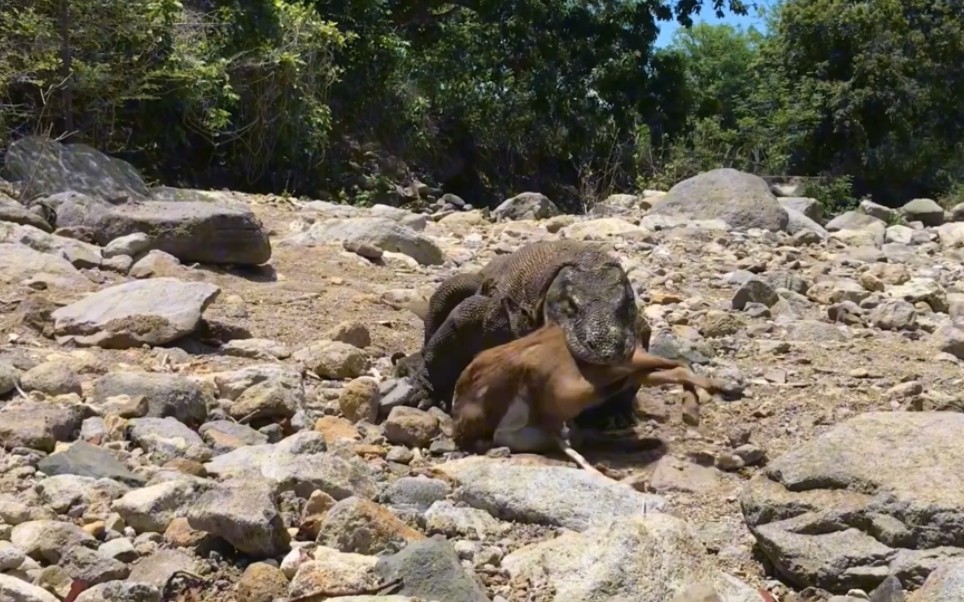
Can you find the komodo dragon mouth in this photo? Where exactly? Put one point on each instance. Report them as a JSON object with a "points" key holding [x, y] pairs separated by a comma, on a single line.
{"points": [[596, 308]]}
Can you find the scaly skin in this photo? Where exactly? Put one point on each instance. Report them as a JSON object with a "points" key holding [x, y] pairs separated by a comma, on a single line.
{"points": [[576, 285]]}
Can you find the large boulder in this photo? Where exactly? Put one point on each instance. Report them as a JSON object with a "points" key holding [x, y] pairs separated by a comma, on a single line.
{"points": [[740, 199], [653, 558], [192, 231], [880, 494], [43, 167], [528, 205]]}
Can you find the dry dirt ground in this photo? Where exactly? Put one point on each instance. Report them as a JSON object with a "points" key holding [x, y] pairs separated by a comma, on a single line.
{"points": [[793, 392]]}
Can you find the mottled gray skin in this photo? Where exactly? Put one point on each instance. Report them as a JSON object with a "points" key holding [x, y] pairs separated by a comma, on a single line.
{"points": [[574, 284]]}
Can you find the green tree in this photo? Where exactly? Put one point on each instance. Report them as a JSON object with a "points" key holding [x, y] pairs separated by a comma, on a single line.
{"points": [[877, 84]]}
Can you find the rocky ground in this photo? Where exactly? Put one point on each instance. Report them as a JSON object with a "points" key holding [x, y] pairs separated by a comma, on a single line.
{"points": [[180, 420]]}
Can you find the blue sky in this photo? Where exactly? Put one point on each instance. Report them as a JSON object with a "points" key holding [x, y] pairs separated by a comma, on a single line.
{"points": [[706, 15]]}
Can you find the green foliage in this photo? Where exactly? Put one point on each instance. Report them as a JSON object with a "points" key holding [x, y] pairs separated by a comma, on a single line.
{"points": [[484, 99], [834, 193]]}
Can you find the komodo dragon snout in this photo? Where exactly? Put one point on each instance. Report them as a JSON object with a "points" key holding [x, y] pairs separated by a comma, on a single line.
{"points": [[596, 308]]}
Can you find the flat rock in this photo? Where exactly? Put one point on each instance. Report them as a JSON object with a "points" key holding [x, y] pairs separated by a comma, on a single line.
{"points": [[19, 263], [880, 494], [121, 591], [17, 590], [243, 513], [39, 425], [431, 570], [152, 312], [192, 231], [166, 394], [157, 568], [740, 199], [167, 439], [48, 540], [644, 558], [549, 495], [301, 466], [13, 212], [152, 508], [87, 460], [384, 233]]}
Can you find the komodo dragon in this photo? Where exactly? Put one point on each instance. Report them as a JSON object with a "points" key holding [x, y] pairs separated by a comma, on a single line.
{"points": [[574, 284]]}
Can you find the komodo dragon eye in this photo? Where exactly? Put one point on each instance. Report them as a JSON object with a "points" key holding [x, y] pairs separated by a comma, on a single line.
{"points": [[569, 306]]}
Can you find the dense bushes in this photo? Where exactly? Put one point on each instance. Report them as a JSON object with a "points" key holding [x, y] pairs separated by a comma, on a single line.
{"points": [[486, 98]]}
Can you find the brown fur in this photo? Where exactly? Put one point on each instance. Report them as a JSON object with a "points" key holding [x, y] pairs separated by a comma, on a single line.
{"points": [[539, 371]]}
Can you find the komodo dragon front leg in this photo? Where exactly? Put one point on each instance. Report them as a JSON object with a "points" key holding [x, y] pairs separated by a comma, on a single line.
{"points": [[449, 294], [477, 323]]}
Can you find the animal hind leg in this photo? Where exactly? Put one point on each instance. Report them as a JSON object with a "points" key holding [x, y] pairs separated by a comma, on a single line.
{"points": [[680, 375]]}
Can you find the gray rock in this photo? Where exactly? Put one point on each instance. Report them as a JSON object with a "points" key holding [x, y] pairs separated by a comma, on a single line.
{"points": [[256, 349], [152, 508], [9, 377], [853, 220], [167, 439], [86, 460], [52, 378], [300, 466], [550, 495], [926, 211], [333, 359], [48, 540], [39, 425], [810, 208], [121, 549], [894, 315], [950, 339], [19, 263], [886, 520], [411, 427], [383, 233], [877, 210], [152, 312], [13, 212], [158, 264], [91, 567], [44, 166], [11, 557], [166, 394], [944, 584], [16, 590], [460, 521], [121, 591], [269, 399], [527, 205], [418, 492], [245, 514], [754, 291], [361, 526], [740, 199], [798, 222], [646, 559], [226, 435], [431, 570], [62, 492], [132, 245], [951, 235], [922, 289], [157, 568], [191, 231]]}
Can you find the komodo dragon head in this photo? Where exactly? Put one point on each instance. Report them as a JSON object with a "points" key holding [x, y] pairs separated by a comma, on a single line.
{"points": [[596, 307]]}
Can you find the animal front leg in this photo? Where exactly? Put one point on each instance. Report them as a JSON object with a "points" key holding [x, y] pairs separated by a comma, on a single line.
{"points": [[469, 329], [578, 458]]}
